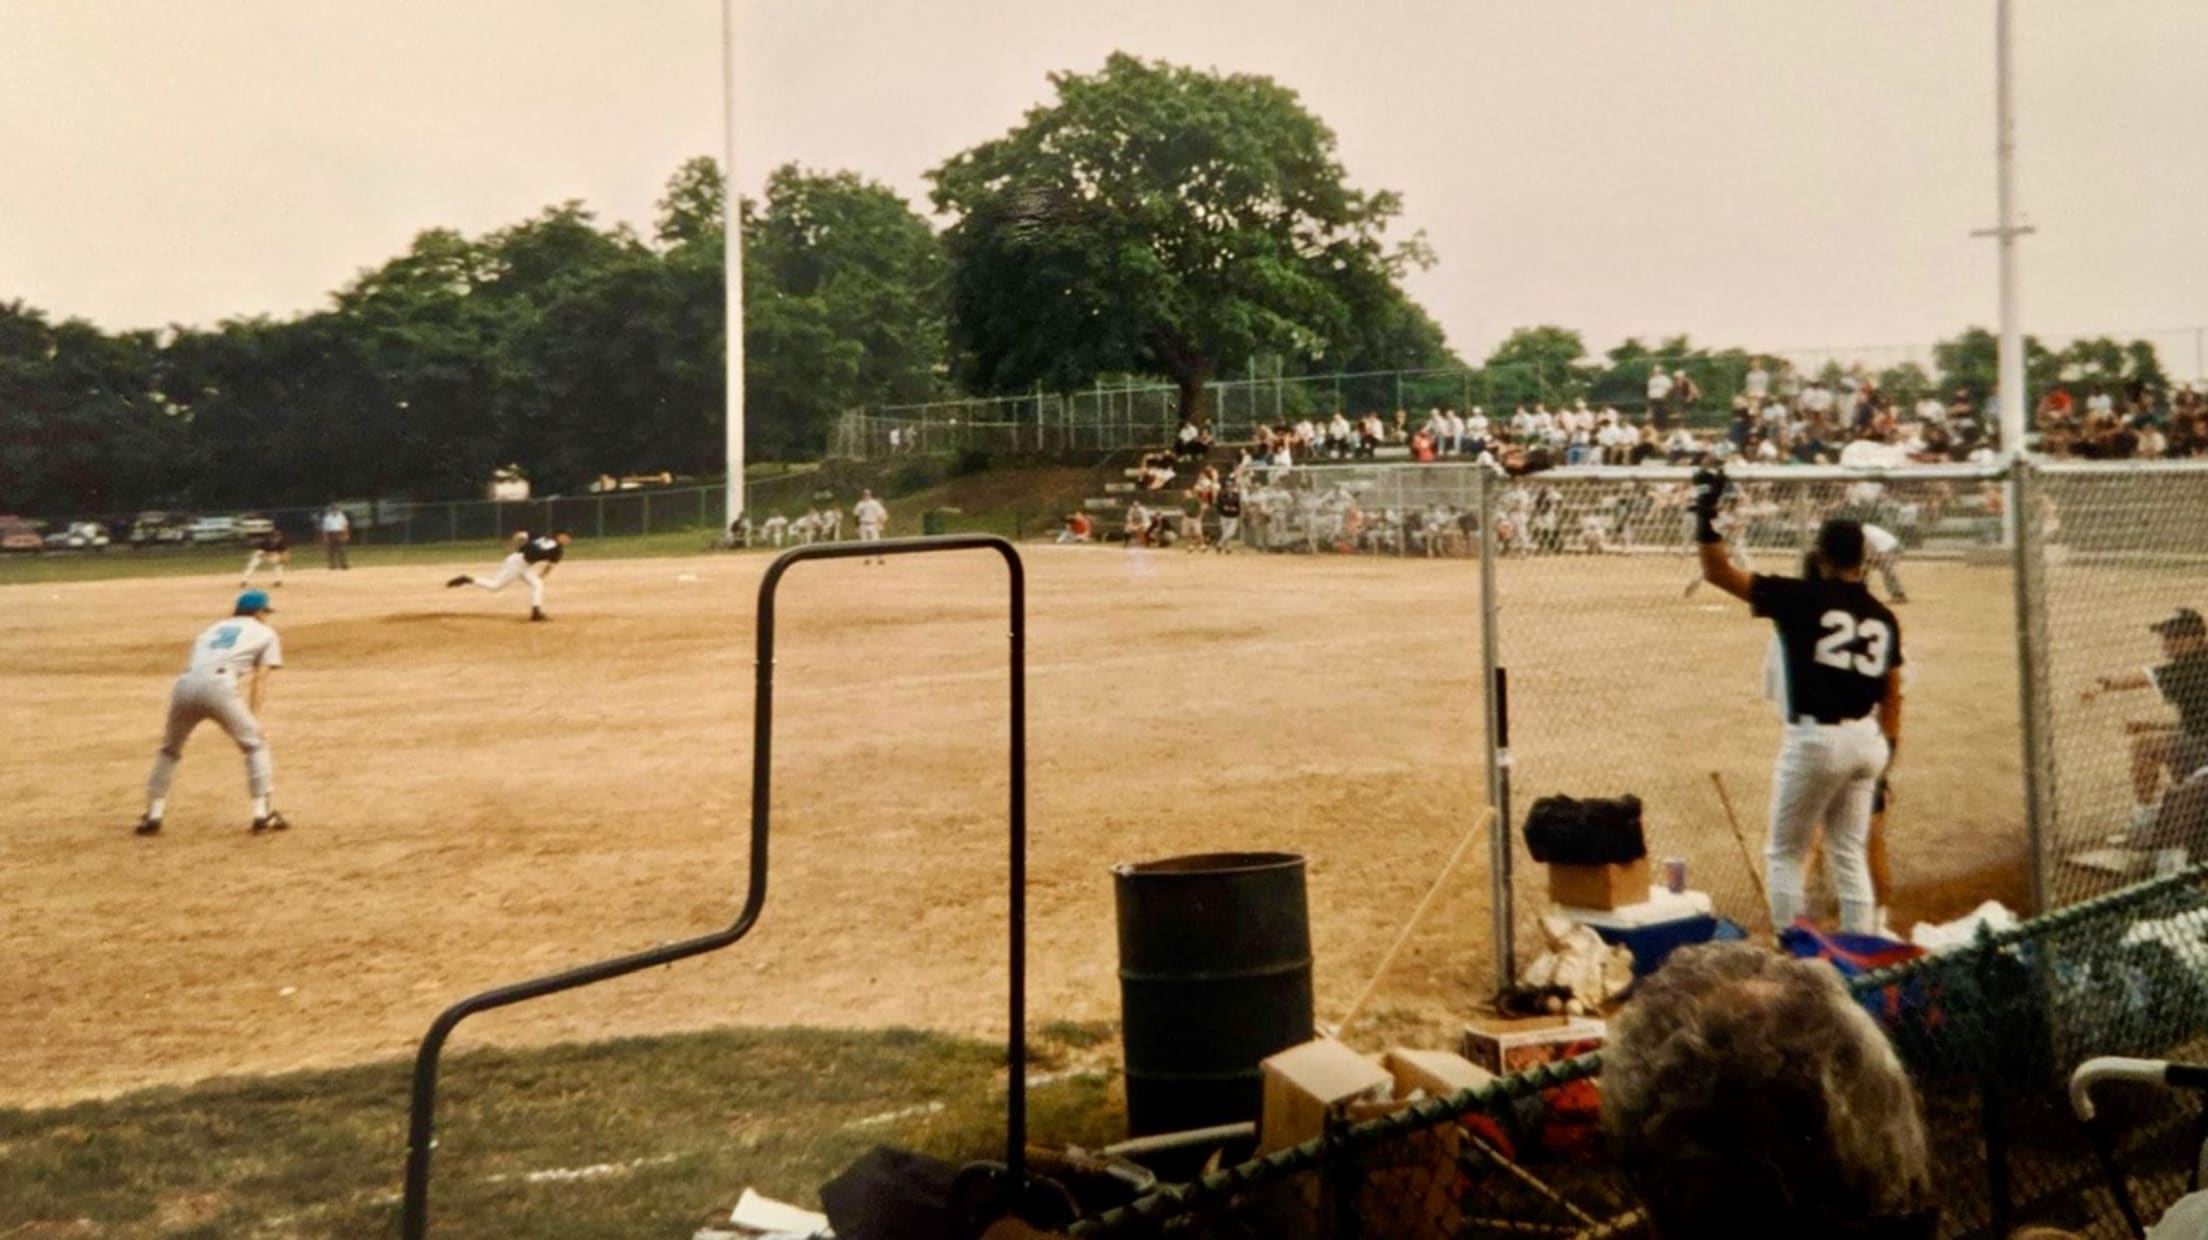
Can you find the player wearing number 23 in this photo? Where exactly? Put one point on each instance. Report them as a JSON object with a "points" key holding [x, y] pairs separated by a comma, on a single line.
{"points": [[1842, 652]]}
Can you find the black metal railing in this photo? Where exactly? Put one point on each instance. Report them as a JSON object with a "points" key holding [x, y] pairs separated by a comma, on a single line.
{"points": [[421, 1125]]}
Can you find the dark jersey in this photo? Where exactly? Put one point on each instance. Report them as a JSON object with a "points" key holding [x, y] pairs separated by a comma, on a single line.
{"points": [[540, 550], [272, 543], [1230, 503], [1839, 644], [2183, 683]]}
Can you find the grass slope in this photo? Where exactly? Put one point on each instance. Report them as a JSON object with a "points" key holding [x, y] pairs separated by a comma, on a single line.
{"points": [[640, 1137]]}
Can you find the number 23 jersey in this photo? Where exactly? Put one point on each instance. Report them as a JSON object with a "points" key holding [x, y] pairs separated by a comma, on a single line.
{"points": [[1839, 643]]}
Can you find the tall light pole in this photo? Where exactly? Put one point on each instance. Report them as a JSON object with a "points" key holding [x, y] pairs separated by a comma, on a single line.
{"points": [[2011, 384], [732, 271]]}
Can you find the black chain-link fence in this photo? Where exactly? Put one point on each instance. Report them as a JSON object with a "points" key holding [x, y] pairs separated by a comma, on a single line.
{"points": [[1991, 1033]]}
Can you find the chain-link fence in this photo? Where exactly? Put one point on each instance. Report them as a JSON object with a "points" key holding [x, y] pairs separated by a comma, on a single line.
{"points": [[633, 512], [1627, 676], [1990, 1034], [2115, 551]]}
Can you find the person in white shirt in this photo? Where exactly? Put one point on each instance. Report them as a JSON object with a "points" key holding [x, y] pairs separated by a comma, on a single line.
{"points": [[1476, 424], [1758, 384], [1522, 425], [242, 650], [1455, 422], [337, 530], [1882, 552], [1337, 436], [871, 517], [1659, 396]]}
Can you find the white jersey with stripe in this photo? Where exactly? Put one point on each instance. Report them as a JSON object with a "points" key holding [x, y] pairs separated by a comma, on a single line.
{"points": [[234, 647], [1880, 541]]}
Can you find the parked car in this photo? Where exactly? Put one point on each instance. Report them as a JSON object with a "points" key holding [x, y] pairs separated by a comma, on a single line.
{"points": [[158, 527], [212, 529], [80, 536], [253, 525], [16, 534]]}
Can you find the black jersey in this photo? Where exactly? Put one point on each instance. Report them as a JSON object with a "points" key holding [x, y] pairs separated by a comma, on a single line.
{"points": [[1230, 503], [541, 550], [2183, 683], [273, 542], [1839, 644]]}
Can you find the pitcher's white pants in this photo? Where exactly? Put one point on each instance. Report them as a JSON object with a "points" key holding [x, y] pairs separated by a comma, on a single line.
{"points": [[513, 569], [1827, 773], [210, 696]]}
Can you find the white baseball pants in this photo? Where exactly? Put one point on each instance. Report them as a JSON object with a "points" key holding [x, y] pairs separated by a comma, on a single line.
{"points": [[515, 568], [1827, 773], [210, 696]]}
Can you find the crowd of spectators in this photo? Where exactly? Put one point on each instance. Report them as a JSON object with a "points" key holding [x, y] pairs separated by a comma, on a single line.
{"points": [[2114, 426]]}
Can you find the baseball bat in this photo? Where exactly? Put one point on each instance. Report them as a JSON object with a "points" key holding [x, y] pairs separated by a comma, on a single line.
{"points": [[1357, 1009], [1741, 838]]}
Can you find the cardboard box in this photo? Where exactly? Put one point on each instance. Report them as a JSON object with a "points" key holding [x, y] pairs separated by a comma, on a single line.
{"points": [[1505, 1046], [1304, 1084], [1599, 886], [1437, 1074]]}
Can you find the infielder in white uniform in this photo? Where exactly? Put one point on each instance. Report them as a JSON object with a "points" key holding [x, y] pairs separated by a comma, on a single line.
{"points": [[1882, 553], [871, 517], [1843, 690], [272, 549], [242, 649], [532, 560]]}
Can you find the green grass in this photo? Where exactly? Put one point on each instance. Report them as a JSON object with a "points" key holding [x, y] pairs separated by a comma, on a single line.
{"points": [[684, 1122]]}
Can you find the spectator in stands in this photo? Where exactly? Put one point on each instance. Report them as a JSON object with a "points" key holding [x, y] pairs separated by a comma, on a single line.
{"points": [[1422, 445], [1680, 447], [1230, 516], [1337, 436], [1185, 440], [1401, 433], [1684, 393], [1157, 471], [1137, 528], [1659, 397], [1959, 406], [1305, 440], [1076, 528], [1370, 432], [1203, 494], [1455, 423], [1283, 459], [1757, 386], [1746, 1093], [1477, 429]]}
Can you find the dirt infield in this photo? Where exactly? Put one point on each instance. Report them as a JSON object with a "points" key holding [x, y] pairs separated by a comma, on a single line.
{"points": [[477, 799]]}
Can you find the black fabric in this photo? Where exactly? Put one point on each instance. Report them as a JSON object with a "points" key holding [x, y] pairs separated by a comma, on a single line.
{"points": [[2183, 683], [538, 550], [892, 1194], [1562, 830]]}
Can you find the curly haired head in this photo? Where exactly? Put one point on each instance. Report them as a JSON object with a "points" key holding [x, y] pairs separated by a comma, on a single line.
{"points": [[1745, 1093]]}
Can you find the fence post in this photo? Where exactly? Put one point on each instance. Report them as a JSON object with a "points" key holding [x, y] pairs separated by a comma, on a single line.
{"points": [[452, 521], [1494, 698], [704, 522], [647, 510], [2035, 716]]}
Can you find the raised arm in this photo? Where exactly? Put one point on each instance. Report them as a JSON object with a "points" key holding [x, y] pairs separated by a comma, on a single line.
{"points": [[2125, 683], [1717, 567]]}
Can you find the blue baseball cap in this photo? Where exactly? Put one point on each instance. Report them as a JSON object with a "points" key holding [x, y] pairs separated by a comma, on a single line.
{"points": [[252, 602]]}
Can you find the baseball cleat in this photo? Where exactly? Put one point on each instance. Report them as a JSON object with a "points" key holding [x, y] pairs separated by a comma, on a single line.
{"points": [[147, 826], [461, 580], [537, 613], [274, 822]]}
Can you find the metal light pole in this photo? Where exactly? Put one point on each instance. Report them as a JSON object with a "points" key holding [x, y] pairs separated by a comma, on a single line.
{"points": [[732, 271], [2011, 384]]}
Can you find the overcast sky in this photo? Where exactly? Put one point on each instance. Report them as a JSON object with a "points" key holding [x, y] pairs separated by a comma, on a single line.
{"points": [[1772, 174]]}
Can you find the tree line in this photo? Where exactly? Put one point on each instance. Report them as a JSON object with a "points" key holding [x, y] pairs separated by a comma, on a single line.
{"points": [[1146, 220]]}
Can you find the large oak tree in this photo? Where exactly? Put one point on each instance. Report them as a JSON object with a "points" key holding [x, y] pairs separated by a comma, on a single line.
{"points": [[1155, 219]]}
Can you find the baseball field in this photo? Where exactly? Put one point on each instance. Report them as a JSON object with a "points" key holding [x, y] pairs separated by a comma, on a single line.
{"points": [[477, 799]]}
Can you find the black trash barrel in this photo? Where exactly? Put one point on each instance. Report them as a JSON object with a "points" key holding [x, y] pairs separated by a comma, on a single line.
{"points": [[1214, 975]]}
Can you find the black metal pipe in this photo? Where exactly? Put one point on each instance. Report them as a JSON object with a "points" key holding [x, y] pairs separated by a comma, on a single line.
{"points": [[421, 1122]]}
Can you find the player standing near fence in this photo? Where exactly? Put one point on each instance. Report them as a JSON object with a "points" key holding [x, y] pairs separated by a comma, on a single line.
{"points": [[240, 650], [1843, 689], [337, 530], [271, 549], [532, 560], [871, 517]]}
